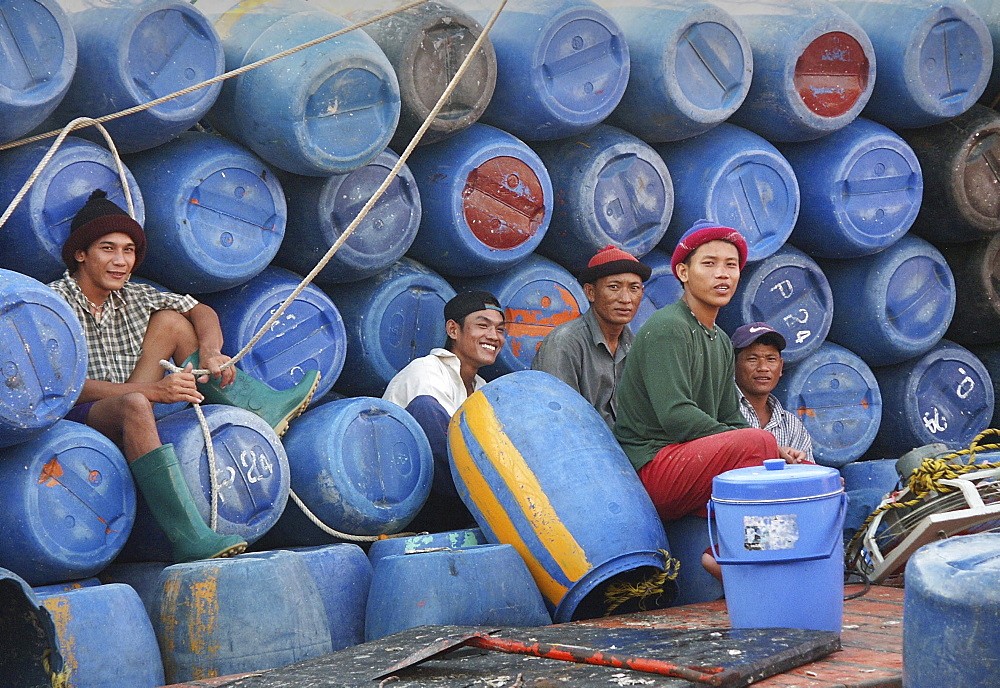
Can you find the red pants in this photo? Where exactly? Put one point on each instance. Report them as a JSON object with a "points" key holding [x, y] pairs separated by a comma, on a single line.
{"points": [[679, 478]]}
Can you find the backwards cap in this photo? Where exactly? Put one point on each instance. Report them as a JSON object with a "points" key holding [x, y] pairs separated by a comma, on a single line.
{"points": [[469, 302]]}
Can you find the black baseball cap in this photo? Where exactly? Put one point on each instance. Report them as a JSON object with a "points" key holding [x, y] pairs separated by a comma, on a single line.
{"points": [[745, 335]]}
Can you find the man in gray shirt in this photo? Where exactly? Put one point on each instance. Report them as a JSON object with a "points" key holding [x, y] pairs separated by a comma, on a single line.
{"points": [[588, 353]]}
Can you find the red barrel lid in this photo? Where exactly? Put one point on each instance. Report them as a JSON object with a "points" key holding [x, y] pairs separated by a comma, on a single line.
{"points": [[503, 202], [776, 481], [831, 74]]}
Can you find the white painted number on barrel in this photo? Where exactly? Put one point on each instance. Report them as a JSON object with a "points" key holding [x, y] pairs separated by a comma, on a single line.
{"points": [[225, 477], [966, 386], [935, 423], [258, 466], [785, 287], [802, 335]]}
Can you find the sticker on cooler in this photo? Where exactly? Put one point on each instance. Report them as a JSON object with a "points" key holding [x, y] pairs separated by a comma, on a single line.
{"points": [[780, 531]]}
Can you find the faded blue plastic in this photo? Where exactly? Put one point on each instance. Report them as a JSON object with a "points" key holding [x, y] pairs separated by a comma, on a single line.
{"points": [[946, 395], [904, 295], [691, 66], [308, 336], [482, 585], [989, 11], [36, 65], [320, 209], [362, 466], [877, 474], [537, 295], [343, 576], [140, 576], [688, 538], [952, 604], [128, 655], [216, 213], [861, 503], [65, 586], [610, 188], [251, 469], [390, 319], [452, 539], [661, 289], [332, 109], [934, 59], [133, 52], [789, 291], [562, 67], [69, 504], [487, 202], [732, 176], [39, 226], [861, 189], [28, 634], [836, 396]]}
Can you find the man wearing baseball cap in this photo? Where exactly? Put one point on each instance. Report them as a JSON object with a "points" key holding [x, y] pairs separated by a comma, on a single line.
{"points": [[588, 353]]}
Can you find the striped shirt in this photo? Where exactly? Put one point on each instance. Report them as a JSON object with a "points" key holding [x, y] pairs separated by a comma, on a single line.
{"points": [[114, 344], [787, 429]]}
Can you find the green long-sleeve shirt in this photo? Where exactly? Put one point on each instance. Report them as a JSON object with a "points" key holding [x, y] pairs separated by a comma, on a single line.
{"points": [[678, 385]]}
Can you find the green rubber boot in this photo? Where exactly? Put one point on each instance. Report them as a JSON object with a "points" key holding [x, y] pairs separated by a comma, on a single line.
{"points": [[159, 476], [278, 408]]}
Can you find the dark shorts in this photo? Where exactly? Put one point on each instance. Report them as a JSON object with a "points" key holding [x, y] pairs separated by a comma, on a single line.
{"points": [[79, 413]]}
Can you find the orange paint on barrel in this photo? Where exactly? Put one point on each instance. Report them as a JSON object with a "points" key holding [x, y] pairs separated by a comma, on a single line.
{"points": [[61, 612], [51, 471]]}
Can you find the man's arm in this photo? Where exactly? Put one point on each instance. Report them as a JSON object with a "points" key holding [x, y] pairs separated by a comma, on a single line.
{"points": [[206, 327], [171, 388]]}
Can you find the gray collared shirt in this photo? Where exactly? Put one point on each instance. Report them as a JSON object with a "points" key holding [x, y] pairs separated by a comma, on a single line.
{"points": [[576, 353]]}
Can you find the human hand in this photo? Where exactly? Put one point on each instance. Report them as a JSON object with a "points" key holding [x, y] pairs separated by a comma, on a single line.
{"points": [[178, 386], [791, 455], [213, 363]]}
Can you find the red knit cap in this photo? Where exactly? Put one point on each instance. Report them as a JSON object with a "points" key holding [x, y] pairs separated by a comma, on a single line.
{"points": [[612, 260], [702, 232], [98, 217]]}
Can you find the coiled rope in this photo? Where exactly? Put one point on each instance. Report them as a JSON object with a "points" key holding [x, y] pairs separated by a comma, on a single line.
{"points": [[618, 594]]}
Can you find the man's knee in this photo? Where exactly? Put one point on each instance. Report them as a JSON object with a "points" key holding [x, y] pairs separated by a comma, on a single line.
{"points": [[170, 324], [134, 407], [752, 443]]}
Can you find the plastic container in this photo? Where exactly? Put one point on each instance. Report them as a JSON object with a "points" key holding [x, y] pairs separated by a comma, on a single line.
{"points": [[688, 538], [321, 208], [529, 491], [876, 474], [140, 576], [789, 291], [861, 189], [487, 202], [343, 576], [610, 188], [69, 504], [934, 58], [37, 64], [989, 355], [452, 539], [662, 287], [65, 586], [780, 545], [893, 305], [860, 505], [836, 396], [990, 12], [691, 66], [732, 176], [309, 335], [329, 109], [562, 66], [38, 228], [976, 269], [28, 635], [813, 68]]}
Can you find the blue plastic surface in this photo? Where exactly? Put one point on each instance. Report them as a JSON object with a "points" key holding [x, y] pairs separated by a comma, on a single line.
{"points": [[989, 355], [69, 504], [732, 176], [562, 67], [662, 287], [688, 538], [990, 13], [343, 576], [487, 202], [774, 482], [876, 474], [140, 576], [321, 208], [452, 539], [691, 66], [610, 188], [861, 502], [65, 586], [904, 295], [789, 291], [861, 189], [38, 228], [837, 398]]}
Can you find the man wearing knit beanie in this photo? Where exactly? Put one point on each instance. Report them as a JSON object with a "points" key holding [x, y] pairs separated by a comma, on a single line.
{"points": [[588, 353]]}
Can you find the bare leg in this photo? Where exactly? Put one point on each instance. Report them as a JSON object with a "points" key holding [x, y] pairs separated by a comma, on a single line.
{"points": [[711, 565], [169, 335], [127, 421]]}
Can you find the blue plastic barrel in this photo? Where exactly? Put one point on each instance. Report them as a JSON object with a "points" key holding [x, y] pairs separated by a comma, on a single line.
{"points": [[218, 617], [976, 269], [989, 355], [789, 291], [836, 396], [861, 503], [27, 633], [43, 355], [37, 64], [308, 336], [861, 189], [934, 59], [562, 66], [990, 12], [487, 202], [391, 318], [482, 585], [537, 295], [38, 228], [691, 66], [556, 486], [610, 188], [140, 576], [326, 110], [813, 68], [216, 213], [451, 539], [732, 176], [343, 576], [875, 474], [362, 466], [251, 471], [65, 586], [106, 637], [133, 52], [69, 504], [321, 208], [892, 305], [688, 538], [662, 287], [946, 396], [951, 613]]}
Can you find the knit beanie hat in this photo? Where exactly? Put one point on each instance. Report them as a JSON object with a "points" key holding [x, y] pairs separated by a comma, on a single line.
{"points": [[612, 260], [98, 217], [468, 302], [702, 232]]}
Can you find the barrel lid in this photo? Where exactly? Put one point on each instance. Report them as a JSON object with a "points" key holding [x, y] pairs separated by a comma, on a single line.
{"points": [[775, 481]]}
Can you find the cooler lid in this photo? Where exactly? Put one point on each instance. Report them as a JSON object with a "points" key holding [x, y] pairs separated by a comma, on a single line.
{"points": [[776, 481]]}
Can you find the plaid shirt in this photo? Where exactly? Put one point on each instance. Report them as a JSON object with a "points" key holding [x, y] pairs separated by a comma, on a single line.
{"points": [[784, 425], [114, 344]]}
